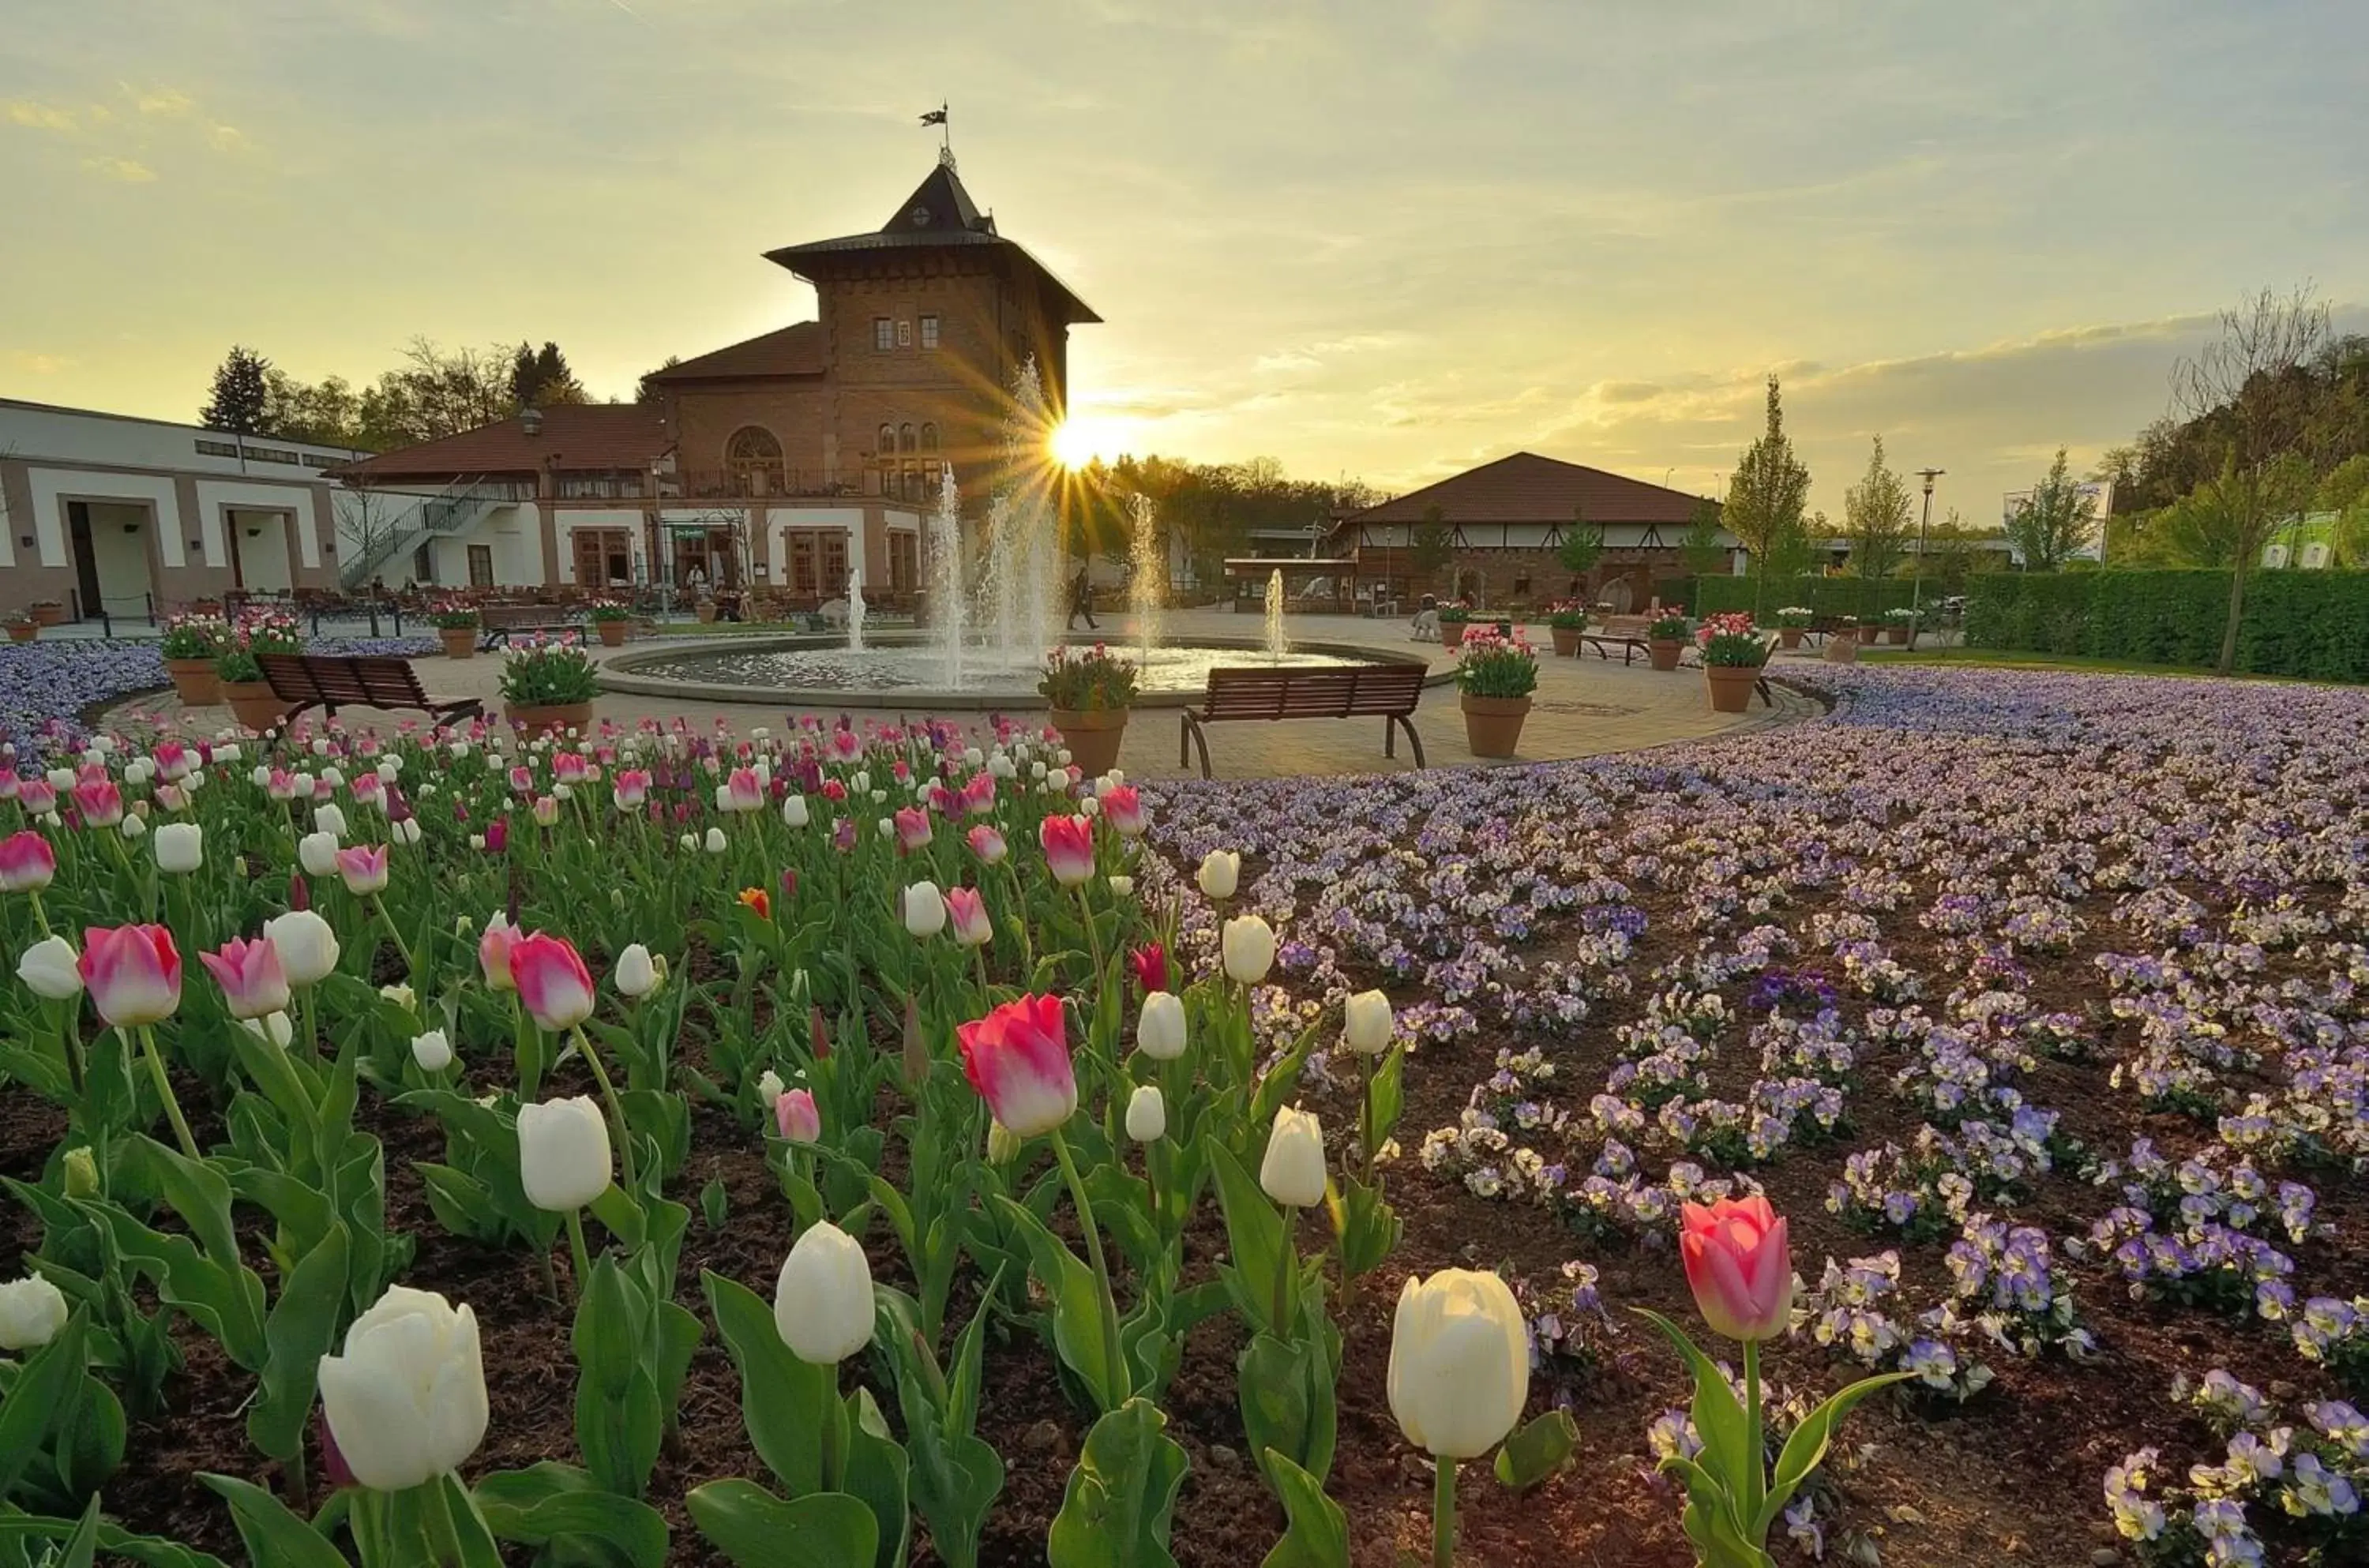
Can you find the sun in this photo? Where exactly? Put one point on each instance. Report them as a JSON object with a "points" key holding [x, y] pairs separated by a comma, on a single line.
{"points": [[1076, 441]]}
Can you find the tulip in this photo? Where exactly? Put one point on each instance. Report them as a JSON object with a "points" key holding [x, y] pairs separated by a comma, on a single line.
{"points": [[1739, 1266], [1460, 1365], [273, 1029], [1220, 871], [317, 854], [307, 947], [493, 952], [1160, 1027], [99, 801], [81, 1173], [552, 983], [497, 835], [631, 788], [329, 819], [136, 823], [795, 1115], [758, 901], [1003, 1143], [968, 912], [364, 869], [978, 798], [741, 792], [37, 797], [794, 810], [563, 1154], [172, 761], [1368, 1024], [923, 910], [32, 1310], [912, 828], [1247, 945], [252, 980], [432, 1051], [769, 1087], [1150, 965], [986, 843], [1018, 1059], [1293, 1171], [568, 768], [544, 810], [406, 1400], [52, 968], [1146, 1114], [714, 843], [1123, 808], [635, 975], [1069, 844], [133, 973], [28, 865], [822, 1305], [402, 995]]}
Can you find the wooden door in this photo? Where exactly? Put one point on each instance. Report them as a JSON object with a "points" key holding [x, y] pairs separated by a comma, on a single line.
{"points": [[592, 569]]}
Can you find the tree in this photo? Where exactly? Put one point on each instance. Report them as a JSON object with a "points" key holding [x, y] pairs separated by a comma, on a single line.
{"points": [[2269, 416], [1794, 551], [540, 377], [2053, 523], [1953, 553], [1700, 548], [1876, 514], [646, 390], [1766, 494], [1431, 545], [241, 395], [437, 394], [1582, 546]]}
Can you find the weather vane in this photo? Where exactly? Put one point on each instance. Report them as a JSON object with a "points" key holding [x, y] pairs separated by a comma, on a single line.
{"points": [[937, 117]]}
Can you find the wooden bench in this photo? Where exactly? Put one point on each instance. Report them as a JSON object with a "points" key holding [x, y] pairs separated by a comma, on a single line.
{"points": [[499, 621], [1626, 633], [328, 681], [1387, 692]]}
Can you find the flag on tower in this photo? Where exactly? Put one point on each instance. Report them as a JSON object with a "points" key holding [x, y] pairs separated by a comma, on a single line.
{"points": [[935, 116]]}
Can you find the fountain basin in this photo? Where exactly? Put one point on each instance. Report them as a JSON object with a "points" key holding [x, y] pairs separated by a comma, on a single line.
{"points": [[907, 672]]}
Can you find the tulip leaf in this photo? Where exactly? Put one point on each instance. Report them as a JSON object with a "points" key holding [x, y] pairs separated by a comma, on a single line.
{"points": [[1078, 1334], [1259, 1245], [783, 1400], [1286, 1403], [1318, 1536], [303, 1328], [1114, 1512], [274, 1537], [1369, 1227], [1807, 1447], [1536, 1451], [1281, 1081], [42, 1389], [1719, 1416], [149, 1551], [876, 1472], [1386, 1095], [82, 1547], [549, 1503], [756, 1529], [461, 1203], [619, 1417]]}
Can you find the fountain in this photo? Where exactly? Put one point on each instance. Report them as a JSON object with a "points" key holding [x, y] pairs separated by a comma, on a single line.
{"points": [[949, 607], [1147, 585], [855, 611], [1277, 644]]}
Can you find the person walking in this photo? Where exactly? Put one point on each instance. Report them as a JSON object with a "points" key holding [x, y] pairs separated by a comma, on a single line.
{"points": [[1081, 602]]}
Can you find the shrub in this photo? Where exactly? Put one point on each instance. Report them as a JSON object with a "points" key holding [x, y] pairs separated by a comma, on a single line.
{"points": [[1825, 597], [195, 636], [544, 672], [1454, 615], [1490, 664], [1077, 680], [2312, 624]]}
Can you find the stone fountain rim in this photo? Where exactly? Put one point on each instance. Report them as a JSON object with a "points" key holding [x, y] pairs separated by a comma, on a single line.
{"points": [[616, 675]]}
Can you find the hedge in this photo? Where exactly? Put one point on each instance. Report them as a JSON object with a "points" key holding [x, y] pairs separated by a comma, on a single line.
{"points": [[2313, 624], [1867, 598]]}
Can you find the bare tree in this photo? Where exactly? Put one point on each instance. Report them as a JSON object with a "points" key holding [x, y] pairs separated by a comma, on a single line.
{"points": [[368, 523], [2253, 393]]}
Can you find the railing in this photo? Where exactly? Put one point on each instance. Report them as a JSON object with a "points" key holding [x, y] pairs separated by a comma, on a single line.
{"points": [[454, 512], [754, 486]]}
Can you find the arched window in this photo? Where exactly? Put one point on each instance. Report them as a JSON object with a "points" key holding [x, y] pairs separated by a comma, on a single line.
{"points": [[905, 438], [930, 437], [753, 460], [888, 441]]}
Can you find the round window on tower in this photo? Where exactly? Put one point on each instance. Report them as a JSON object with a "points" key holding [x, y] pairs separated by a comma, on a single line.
{"points": [[920, 216]]}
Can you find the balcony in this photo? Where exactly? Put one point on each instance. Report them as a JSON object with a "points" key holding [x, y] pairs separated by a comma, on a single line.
{"points": [[755, 485]]}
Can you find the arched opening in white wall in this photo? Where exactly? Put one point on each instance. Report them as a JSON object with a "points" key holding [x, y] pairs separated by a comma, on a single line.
{"points": [[258, 549]]}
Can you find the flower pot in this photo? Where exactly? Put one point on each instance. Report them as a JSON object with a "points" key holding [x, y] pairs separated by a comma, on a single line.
{"points": [[707, 613], [556, 718], [1663, 652], [1843, 647], [194, 681], [1566, 640], [1452, 634], [612, 633], [253, 704], [1789, 636], [1493, 725], [1730, 686], [47, 613], [1093, 737], [1896, 636], [23, 631], [460, 642]]}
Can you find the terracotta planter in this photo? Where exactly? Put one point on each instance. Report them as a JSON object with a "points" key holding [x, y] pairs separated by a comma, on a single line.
{"points": [[612, 633], [707, 613], [1566, 640], [1789, 636], [253, 704], [1452, 634], [194, 681], [557, 719], [1663, 652], [1896, 636], [1093, 737], [1493, 725], [1730, 686], [47, 613], [1843, 648], [23, 631], [460, 642]]}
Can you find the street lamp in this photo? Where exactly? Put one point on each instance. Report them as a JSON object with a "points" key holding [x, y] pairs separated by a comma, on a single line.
{"points": [[1917, 585]]}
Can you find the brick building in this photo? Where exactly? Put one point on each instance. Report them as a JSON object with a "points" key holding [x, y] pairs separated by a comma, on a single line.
{"points": [[1506, 521], [789, 460]]}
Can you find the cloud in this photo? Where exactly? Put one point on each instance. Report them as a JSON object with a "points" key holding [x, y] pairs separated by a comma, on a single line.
{"points": [[227, 139], [40, 364], [37, 116], [130, 171], [163, 101]]}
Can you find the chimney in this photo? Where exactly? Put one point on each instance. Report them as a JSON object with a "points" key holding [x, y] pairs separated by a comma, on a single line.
{"points": [[530, 421]]}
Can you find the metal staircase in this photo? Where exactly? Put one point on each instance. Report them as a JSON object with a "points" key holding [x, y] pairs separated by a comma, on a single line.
{"points": [[460, 509]]}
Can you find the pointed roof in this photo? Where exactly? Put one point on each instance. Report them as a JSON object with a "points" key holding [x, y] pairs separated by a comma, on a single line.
{"points": [[1525, 487], [793, 351], [939, 216]]}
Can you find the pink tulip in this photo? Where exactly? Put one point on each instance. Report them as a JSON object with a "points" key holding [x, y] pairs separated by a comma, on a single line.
{"points": [[632, 787], [845, 742], [1018, 1059], [978, 794], [1123, 809], [38, 797], [568, 768], [521, 780], [280, 785], [249, 973], [100, 802], [494, 954], [368, 788], [1069, 844], [843, 835], [795, 1115], [1739, 1266], [134, 974], [173, 761], [27, 863], [552, 981], [912, 828], [987, 844], [10, 783], [967, 913], [497, 835], [741, 791], [364, 868]]}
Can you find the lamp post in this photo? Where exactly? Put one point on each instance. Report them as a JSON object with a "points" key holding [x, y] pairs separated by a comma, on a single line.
{"points": [[1916, 584]]}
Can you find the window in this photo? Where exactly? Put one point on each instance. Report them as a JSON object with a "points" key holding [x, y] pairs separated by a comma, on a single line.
{"points": [[481, 565], [930, 437], [929, 332], [753, 459], [904, 333], [904, 562], [217, 449], [887, 442], [905, 438], [883, 334]]}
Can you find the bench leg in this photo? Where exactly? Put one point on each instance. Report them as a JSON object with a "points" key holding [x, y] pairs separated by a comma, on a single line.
{"points": [[1414, 741], [1198, 737], [1390, 738], [1761, 686]]}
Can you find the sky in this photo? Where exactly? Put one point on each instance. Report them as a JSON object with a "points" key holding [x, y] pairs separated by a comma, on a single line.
{"points": [[1371, 238]]}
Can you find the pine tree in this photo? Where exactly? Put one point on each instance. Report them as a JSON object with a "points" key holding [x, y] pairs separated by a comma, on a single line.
{"points": [[242, 393], [1766, 494]]}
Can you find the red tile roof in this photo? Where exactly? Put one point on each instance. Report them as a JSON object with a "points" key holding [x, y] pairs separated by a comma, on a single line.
{"points": [[795, 350], [575, 436], [1527, 487]]}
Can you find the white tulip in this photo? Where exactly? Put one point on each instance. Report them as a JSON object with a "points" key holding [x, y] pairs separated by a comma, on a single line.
{"points": [[335, 779], [308, 948], [1090, 807], [261, 776], [134, 824], [406, 1400], [317, 854], [689, 841], [794, 810], [1247, 945], [822, 1305], [403, 996], [432, 1051], [50, 967], [61, 779], [31, 1312], [635, 975], [770, 1087], [1460, 1363], [273, 1028], [390, 769], [320, 748], [228, 752], [1146, 1114], [563, 1153], [1220, 871], [329, 818], [924, 910], [1160, 1027], [715, 840], [1367, 1024], [406, 831], [1293, 1171], [1122, 887]]}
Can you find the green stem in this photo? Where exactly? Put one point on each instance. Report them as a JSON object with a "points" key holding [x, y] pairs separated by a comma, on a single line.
{"points": [[1283, 1279], [979, 958], [1093, 940], [1756, 1458], [575, 1250], [411, 968], [834, 1429], [616, 1110], [1443, 1513], [1116, 1358], [1366, 1112], [41, 915], [165, 1093], [443, 1539]]}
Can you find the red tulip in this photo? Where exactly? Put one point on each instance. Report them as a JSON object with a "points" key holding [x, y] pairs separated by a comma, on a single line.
{"points": [[133, 973], [758, 900], [1069, 844], [1151, 962], [552, 981], [250, 976], [27, 863], [1123, 808], [1739, 1266], [1018, 1059]]}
